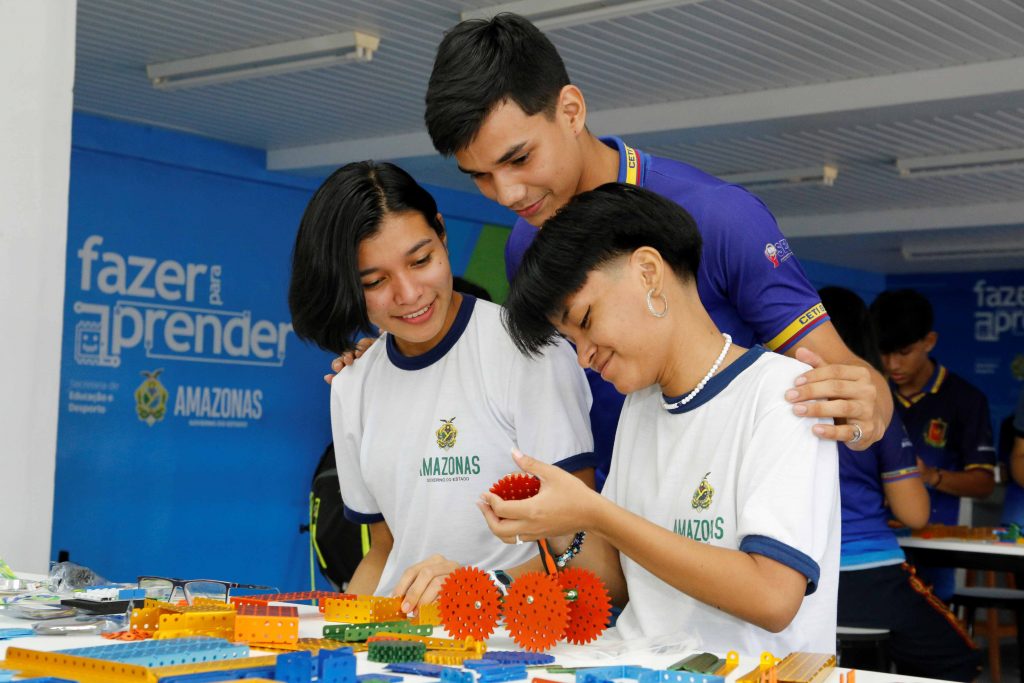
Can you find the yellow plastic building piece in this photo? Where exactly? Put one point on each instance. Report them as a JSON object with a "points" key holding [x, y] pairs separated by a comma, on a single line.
{"points": [[806, 667], [218, 624], [428, 614], [464, 645], [364, 609], [732, 660], [313, 645], [449, 657], [767, 661], [147, 619], [270, 624], [82, 669], [218, 665]]}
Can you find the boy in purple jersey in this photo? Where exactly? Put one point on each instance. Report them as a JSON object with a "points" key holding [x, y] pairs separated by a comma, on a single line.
{"points": [[946, 417], [877, 588], [500, 101]]}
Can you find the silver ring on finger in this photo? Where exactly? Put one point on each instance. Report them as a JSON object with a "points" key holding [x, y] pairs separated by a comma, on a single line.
{"points": [[857, 433]]}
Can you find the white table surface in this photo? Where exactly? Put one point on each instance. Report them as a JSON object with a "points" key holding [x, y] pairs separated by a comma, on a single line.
{"points": [[962, 545], [599, 653]]}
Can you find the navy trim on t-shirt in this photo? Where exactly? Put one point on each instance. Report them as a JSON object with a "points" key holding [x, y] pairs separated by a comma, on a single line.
{"points": [[784, 554], [719, 382], [361, 517], [579, 461], [403, 362]]}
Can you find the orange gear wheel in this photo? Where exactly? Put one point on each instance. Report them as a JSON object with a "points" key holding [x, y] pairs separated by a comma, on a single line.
{"points": [[516, 487], [591, 607], [536, 611], [470, 604]]}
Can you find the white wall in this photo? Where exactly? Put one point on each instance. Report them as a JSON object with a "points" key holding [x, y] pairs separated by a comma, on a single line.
{"points": [[37, 64]]}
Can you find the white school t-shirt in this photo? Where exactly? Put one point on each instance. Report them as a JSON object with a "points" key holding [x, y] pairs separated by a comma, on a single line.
{"points": [[734, 468], [418, 439]]}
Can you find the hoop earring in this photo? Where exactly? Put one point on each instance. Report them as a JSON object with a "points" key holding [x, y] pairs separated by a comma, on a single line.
{"points": [[650, 304]]}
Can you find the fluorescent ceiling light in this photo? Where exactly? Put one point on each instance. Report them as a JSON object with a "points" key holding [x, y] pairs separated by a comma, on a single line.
{"points": [[824, 174], [265, 60], [962, 164], [549, 15], [957, 251]]}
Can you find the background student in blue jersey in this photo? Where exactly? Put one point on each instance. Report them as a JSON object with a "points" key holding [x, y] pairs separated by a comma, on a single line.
{"points": [[946, 417], [426, 419], [499, 99], [720, 515], [877, 588]]}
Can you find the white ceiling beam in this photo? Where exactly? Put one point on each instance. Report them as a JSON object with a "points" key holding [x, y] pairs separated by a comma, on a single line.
{"points": [[994, 214], [933, 85]]}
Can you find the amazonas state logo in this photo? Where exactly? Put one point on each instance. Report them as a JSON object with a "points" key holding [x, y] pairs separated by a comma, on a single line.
{"points": [[702, 497], [935, 434], [151, 398], [446, 434]]}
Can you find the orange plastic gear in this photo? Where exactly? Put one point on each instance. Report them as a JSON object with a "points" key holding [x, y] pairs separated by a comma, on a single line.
{"points": [[470, 603], [591, 607], [536, 611], [516, 486]]}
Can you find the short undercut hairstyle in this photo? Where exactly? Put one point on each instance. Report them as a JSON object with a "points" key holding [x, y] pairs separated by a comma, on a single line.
{"points": [[483, 63], [902, 317], [592, 230], [326, 296]]}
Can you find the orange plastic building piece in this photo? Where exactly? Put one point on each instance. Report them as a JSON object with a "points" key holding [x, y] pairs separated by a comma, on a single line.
{"points": [[732, 660], [469, 604], [429, 614], [217, 665], [517, 486], [363, 609], [313, 645], [589, 605], [536, 611], [266, 624]]}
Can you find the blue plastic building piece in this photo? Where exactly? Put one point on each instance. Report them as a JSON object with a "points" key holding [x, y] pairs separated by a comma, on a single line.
{"points": [[611, 673], [384, 678], [524, 658], [453, 675], [294, 667], [338, 666], [225, 675], [502, 672], [8, 633], [416, 669], [131, 594], [164, 652], [477, 664], [678, 677]]}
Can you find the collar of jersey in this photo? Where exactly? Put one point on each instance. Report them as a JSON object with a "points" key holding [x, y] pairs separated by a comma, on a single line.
{"points": [[932, 386], [719, 382], [404, 362], [618, 144]]}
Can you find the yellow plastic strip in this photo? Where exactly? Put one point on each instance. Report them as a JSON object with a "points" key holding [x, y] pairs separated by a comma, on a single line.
{"points": [[82, 669]]}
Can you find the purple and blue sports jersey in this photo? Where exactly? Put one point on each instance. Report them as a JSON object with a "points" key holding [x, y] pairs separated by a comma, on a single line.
{"points": [[1013, 505], [949, 424], [749, 279], [867, 540]]}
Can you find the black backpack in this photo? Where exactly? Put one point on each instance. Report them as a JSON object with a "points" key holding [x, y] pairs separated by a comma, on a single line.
{"points": [[337, 543]]}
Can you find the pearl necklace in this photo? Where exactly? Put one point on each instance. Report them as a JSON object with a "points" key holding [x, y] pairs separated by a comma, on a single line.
{"points": [[700, 385]]}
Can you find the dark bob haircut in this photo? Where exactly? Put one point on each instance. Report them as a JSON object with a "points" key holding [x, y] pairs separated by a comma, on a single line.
{"points": [[902, 317], [326, 295], [481, 64], [590, 231], [849, 314]]}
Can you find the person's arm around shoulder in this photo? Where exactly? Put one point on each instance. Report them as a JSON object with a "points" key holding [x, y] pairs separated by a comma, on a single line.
{"points": [[348, 358], [841, 386], [367, 574]]}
